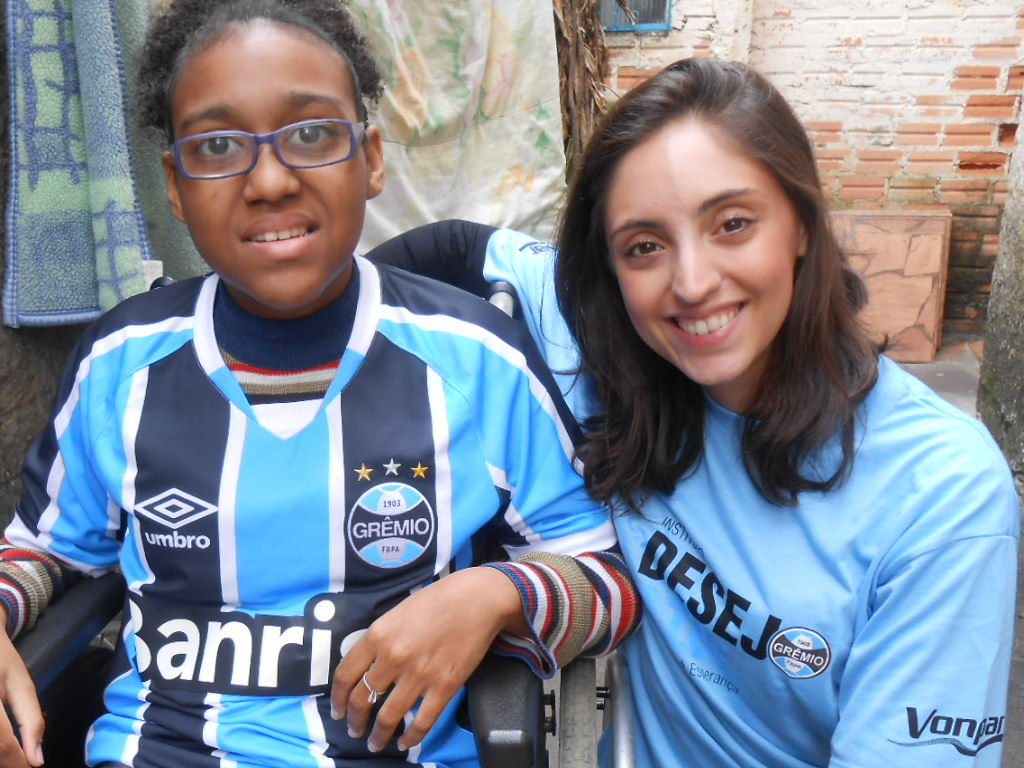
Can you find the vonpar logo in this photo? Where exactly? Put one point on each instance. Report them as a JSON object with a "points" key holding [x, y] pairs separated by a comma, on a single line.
{"points": [[967, 735], [174, 509]]}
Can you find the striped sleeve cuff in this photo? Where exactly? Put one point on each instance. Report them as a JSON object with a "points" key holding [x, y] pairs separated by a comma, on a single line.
{"points": [[575, 606], [29, 580]]}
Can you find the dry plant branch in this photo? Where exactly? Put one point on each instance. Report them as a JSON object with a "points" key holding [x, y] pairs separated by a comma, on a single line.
{"points": [[583, 69]]}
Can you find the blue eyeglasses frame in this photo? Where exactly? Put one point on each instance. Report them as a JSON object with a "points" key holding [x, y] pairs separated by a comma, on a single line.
{"points": [[357, 132]]}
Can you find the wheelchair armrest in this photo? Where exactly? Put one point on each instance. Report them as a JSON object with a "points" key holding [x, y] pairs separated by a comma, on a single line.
{"points": [[506, 712], [68, 625]]}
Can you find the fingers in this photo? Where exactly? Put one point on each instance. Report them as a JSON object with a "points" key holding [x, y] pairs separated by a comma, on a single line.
{"points": [[389, 717], [430, 689], [430, 709], [363, 699], [348, 678], [11, 755], [30, 725], [392, 713], [423, 649], [18, 692], [393, 702], [12, 752]]}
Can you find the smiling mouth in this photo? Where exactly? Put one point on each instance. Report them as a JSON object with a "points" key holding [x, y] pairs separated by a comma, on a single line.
{"points": [[284, 234], [708, 324]]}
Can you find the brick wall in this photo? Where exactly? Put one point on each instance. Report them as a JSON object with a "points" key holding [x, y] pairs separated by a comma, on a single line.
{"points": [[907, 107]]}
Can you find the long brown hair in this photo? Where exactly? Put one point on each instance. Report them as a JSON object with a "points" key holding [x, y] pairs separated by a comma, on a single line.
{"points": [[650, 431]]}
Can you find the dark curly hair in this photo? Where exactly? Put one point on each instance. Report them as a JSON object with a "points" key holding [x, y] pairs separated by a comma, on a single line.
{"points": [[185, 27]]}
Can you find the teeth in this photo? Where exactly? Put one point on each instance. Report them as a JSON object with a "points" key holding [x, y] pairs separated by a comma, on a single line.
{"points": [[708, 325], [285, 234]]}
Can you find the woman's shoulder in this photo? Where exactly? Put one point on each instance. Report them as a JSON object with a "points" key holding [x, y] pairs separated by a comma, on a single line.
{"points": [[904, 410], [939, 461]]}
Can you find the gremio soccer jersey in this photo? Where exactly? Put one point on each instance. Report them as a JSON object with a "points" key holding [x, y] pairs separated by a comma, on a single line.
{"points": [[257, 548], [870, 626]]}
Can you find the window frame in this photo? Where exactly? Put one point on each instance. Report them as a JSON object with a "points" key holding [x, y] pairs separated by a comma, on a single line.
{"points": [[647, 26]]}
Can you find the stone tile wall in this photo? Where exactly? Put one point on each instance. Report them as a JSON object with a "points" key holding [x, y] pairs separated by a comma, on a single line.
{"points": [[903, 257]]}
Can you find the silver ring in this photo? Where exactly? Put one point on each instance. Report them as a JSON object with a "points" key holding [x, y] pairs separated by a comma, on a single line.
{"points": [[374, 693]]}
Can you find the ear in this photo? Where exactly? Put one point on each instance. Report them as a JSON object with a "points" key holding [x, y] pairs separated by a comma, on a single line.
{"points": [[804, 243], [171, 175], [373, 149]]}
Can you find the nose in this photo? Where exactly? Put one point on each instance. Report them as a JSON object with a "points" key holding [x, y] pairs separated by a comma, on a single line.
{"points": [[695, 271], [270, 179]]}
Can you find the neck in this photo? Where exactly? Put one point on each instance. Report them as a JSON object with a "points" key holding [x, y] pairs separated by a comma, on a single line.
{"points": [[303, 342]]}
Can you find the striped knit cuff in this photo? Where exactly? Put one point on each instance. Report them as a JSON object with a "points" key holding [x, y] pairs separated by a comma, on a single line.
{"points": [[575, 606], [15, 605], [29, 581], [531, 650], [617, 601]]}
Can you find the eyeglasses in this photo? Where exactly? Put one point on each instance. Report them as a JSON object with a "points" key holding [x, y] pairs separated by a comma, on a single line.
{"points": [[305, 144]]}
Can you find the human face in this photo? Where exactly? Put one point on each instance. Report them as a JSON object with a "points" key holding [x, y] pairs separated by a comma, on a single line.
{"points": [[704, 244], [282, 239]]}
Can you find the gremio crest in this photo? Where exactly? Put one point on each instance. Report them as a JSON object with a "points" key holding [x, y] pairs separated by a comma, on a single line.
{"points": [[391, 525]]}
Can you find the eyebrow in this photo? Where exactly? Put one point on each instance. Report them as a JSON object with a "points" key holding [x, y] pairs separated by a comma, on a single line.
{"points": [[293, 101], [633, 224], [712, 202], [723, 197]]}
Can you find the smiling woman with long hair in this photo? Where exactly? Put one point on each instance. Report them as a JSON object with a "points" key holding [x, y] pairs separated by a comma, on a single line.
{"points": [[825, 549], [331, 488]]}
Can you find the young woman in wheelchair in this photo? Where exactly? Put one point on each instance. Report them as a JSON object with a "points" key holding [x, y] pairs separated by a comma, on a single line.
{"points": [[826, 551], [331, 487]]}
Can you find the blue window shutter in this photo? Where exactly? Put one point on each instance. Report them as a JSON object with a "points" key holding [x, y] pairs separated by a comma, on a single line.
{"points": [[652, 15]]}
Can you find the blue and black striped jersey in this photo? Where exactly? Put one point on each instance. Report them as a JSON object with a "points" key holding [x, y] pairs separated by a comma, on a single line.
{"points": [[257, 543]]}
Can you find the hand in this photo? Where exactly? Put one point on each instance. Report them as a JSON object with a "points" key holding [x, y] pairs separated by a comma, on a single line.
{"points": [[18, 692], [427, 646]]}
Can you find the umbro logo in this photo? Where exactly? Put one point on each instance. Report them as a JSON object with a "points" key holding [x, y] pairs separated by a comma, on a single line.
{"points": [[174, 508]]}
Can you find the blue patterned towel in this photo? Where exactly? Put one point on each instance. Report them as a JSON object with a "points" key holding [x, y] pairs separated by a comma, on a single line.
{"points": [[76, 234]]}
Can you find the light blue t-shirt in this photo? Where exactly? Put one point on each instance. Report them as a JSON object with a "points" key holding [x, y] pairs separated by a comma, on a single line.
{"points": [[869, 626]]}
